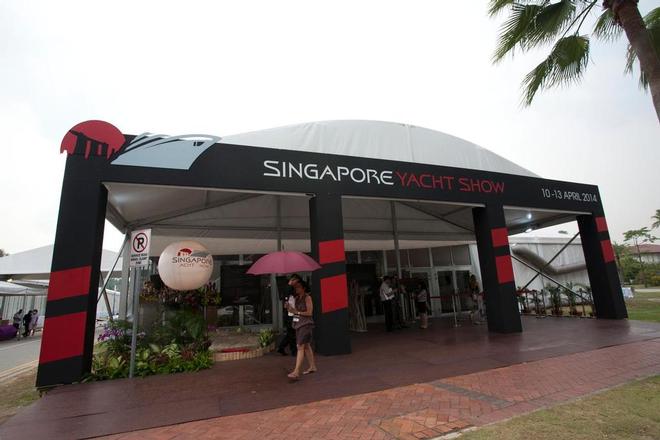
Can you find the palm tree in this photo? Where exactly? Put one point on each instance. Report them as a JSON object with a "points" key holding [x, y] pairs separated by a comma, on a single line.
{"points": [[534, 23], [656, 219]]}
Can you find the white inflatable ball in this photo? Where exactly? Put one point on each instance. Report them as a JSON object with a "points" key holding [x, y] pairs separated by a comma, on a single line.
{"points": [[185, 265]]}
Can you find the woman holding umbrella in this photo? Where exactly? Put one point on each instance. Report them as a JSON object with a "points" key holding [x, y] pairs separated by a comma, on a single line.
{"points": [[303, 324]]}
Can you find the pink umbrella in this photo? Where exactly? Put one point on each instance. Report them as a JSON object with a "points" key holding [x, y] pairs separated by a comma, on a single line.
{"points": [[283, 262]]}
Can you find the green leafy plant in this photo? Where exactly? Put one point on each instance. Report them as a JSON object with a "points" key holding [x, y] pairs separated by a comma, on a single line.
{"points": [[183, 327], [179, 343], [555, 299], [266, 337]]}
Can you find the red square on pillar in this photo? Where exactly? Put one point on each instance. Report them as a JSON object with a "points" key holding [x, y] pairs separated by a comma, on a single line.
{"points": [[69, 282], [608, 252], [331, 251], [334, 293], [601, 224], [500, 237], [63, 337], [504, 269]]}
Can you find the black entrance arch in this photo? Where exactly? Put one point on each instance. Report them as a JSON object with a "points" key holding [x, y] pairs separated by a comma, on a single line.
{"points": [[98, 154]]}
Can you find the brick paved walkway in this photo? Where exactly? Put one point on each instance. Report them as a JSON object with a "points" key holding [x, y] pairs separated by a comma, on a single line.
{"points": [[431, 409]]}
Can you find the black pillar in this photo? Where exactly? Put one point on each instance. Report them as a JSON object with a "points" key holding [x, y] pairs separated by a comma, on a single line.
{"points": [[601, 267], [329, 284], [68, 337], [496, 269]]}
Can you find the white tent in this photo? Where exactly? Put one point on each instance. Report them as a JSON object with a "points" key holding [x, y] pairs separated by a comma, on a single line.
{"points": [[35, 264], [7, 288], [231, 222]]}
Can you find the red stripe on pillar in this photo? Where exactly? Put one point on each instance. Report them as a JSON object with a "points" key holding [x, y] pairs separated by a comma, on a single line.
{"points": [[608, 252], [601, 224], [334, 293], [331, 251], [504, 269], [63, 337], [500, 237], [69, 282]]}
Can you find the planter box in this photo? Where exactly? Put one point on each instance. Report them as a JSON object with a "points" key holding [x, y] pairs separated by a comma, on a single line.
{"points": [[235, 354]]}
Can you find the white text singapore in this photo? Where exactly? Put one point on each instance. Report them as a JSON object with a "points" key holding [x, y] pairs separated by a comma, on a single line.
{"points": [[314, 171]]}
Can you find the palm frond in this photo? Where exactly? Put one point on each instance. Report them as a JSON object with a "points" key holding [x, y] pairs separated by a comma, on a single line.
{"points": [[606, 27], [533, 24], [534, 80], [564, 65], [652, 17], [652, 21], [496, 6], [513, 31], [549, 22]]}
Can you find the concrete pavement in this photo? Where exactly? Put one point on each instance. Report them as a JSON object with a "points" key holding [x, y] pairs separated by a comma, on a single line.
{"points": [[18, 356]]}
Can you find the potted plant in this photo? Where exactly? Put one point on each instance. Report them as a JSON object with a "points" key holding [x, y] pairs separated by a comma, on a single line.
{"points": [[539, 302], [522, 299], [555, 299], [572, 299]]}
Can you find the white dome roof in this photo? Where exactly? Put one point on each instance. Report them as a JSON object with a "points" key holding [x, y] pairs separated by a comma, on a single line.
{"points": [[379, 140]]}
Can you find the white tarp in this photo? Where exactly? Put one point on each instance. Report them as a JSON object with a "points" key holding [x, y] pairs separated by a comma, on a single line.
{"points": [[380, 140], [7, 288], [36, 263]]}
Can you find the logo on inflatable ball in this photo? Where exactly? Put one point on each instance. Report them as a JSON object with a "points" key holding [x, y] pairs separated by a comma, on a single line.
{"points": [[185, 265]]}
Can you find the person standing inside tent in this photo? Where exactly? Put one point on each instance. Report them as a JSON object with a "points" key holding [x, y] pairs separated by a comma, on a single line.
{"points": [[386, 298], [421, 304], [479, 313], [289, 339], [304, 324]]}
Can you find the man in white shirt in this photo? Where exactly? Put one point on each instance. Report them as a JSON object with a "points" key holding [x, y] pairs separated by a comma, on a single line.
{"points": [[386, 296]]}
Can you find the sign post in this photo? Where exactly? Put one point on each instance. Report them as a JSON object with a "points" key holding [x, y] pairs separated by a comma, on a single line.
{"points": [[139, 258]]}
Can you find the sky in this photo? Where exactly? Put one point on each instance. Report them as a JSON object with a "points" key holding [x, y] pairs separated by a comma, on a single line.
{"points": [[228, 67]]}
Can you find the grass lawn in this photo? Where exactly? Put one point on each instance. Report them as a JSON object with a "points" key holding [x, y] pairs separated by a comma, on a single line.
{"points": [[631, 411], [645, 306], [17, 393]]}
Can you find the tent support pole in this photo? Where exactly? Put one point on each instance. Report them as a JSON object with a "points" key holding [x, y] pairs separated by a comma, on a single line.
{"points": [[123, 287], [278, 319], [395, 232], [104, 292], [547, 276], [539, 272]]}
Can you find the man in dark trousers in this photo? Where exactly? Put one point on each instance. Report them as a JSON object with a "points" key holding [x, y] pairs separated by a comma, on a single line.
{"points": [[289, 338], [386, 297]]}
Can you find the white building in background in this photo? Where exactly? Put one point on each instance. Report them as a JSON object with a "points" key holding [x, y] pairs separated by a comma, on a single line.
{"points": [[650, 253]]}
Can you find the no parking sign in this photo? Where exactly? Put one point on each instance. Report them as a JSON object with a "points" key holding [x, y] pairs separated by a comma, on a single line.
{"points": [[140, 244]]}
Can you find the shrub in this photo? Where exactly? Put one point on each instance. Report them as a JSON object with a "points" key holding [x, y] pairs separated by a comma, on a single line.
{"points": [[266, 337], [180, 343], [555, 299]]}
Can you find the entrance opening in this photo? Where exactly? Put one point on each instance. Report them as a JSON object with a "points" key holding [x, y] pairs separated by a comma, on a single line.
{"points": [[420, 243]]}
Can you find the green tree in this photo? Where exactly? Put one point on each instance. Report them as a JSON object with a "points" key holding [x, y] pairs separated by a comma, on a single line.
{"points": [[656, 219], [535, 23], [620, 251], [639, 236], [3, 253]]}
